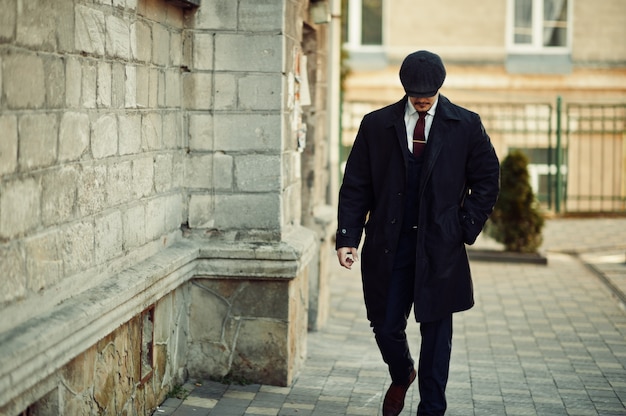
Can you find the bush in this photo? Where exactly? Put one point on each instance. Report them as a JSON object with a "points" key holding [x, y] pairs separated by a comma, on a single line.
{"points": [[516, 221]]}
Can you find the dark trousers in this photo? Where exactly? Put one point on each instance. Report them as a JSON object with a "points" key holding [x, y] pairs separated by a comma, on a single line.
{"points": [[436, 342]]}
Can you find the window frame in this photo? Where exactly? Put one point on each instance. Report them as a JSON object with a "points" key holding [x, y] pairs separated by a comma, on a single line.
{"points": [[354, 39], [537, 47]]}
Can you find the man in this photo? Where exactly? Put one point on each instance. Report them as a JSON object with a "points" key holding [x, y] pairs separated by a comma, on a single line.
{"points": [[421, 179]]}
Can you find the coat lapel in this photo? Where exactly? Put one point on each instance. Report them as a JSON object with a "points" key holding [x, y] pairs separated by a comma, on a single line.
{"points": [[400, 128], [436, 138]]}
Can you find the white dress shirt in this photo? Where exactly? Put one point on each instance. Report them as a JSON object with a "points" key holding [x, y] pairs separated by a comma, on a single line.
{"points": [[410, 120]]}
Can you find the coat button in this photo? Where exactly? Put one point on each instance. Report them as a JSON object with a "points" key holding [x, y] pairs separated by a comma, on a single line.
{"points": [[393, 221], [344, 231], [386, 251]]}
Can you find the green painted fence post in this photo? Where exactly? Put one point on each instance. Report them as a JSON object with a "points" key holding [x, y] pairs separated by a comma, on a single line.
{"points": [[558, 158]]}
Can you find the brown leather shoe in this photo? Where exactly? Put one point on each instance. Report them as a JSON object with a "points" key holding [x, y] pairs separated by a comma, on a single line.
{"points": [[394, 399]]}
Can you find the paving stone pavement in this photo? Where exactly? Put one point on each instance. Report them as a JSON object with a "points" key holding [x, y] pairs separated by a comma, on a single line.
{"points": [[543, 340]]}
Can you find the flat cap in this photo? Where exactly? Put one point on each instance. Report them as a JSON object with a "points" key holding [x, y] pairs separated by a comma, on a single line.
{"points": [[422, 74]]}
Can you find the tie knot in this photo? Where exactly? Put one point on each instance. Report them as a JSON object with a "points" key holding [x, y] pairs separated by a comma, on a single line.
{"points": [[422, 114]]}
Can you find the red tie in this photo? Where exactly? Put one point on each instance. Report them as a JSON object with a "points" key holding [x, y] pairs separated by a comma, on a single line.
{"points": [[419, 138]]}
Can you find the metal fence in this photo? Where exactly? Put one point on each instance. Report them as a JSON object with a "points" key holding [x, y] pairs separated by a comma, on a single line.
{"points": [[594, 149], [576, 152]]}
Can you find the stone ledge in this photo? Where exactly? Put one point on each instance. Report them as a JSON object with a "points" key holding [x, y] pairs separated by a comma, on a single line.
{"points": [[283, 259], [37, 348], [40, 346]]}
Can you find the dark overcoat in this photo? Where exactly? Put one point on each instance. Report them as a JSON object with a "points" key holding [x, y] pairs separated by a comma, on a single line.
{"points": [[458, 188]]}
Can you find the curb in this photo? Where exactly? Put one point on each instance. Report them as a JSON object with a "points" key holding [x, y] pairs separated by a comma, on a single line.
{"points": [[500, 256], [605, 278]]}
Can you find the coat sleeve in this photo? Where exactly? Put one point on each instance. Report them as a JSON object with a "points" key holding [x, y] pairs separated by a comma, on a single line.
{"points": [[355, 194], [482, 183]]}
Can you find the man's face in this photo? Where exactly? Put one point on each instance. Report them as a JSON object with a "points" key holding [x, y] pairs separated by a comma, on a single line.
{"points": [[423, 103]]}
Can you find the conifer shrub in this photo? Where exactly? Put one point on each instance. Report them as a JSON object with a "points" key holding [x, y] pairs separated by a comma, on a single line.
{"points": [[516, 220]]}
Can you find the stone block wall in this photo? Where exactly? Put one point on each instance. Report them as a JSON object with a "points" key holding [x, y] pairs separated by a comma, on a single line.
{"points": [[249, 309], [91, 186], [92, 149], [240, 151], [149, 161], [124, 373]]}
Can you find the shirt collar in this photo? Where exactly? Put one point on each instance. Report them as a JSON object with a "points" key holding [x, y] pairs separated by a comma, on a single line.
{"points": [[410, 110]]}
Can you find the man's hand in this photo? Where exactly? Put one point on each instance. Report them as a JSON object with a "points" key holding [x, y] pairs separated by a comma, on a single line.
{"points": [[347, 256]]}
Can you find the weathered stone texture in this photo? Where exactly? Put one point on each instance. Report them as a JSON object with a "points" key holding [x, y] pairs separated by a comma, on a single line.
{"points": [[23, 80], [13, 268], [20, 208], [38, 140], [172, 88], [176, 48], [90, 30], [78, 247], [200, 132], [143, 87], [226, 92], [118, 37], [8, 144], [89, 87], [261, 16], [122, 120], [163, 173], [172, 130], [247, 133], [74, 135], [104, 136], [106, 378], [129, 133], [73, 82], [258, 173], [118, 85], [198, 171], [8, 18], [103, 89], [143, 36], [54, 82], [119, 183], [216, 15], [197, 91], [258, 53], [161, 45], [249, 337], [36, 25], [59, 195], [152, 131], [155, 218], [203, 51], [134, 227], [248, 211], [142, 182], [260, 92], [130, 96], [91, 189], [201, 211]]}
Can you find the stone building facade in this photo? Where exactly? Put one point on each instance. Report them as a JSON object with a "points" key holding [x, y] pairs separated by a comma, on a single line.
{"points": [[166, 188]]}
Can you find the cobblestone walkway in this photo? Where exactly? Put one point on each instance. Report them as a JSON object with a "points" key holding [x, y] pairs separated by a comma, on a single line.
{"points": [[544, 340]]}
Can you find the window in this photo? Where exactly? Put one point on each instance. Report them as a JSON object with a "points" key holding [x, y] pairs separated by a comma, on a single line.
{"points": [[363, 22], [539, 36], [362, 30], [539, 25]]}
